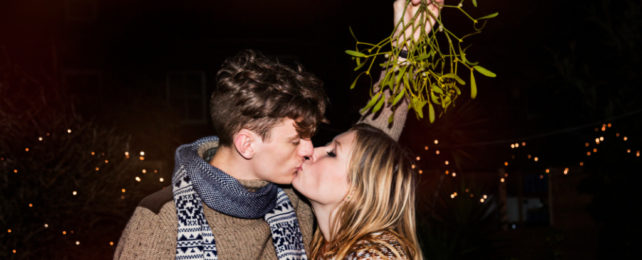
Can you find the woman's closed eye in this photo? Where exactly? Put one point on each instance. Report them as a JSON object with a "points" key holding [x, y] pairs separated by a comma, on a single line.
{"points": [[332, 154], [333, 146]]}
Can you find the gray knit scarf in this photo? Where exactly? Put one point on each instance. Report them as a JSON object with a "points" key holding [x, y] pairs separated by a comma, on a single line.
{"points": [[195, 182]]}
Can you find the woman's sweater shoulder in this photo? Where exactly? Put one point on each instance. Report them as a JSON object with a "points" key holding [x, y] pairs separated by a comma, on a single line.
{"points": [[379, 245]]}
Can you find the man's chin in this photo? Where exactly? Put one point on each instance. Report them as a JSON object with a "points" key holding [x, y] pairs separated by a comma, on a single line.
{"points": [[284, 180]]}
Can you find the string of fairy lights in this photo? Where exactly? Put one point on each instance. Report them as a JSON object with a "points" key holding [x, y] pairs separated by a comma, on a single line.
{"points": [[591, 146], [75, 192]]}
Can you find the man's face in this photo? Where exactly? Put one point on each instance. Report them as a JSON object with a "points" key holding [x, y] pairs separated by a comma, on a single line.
{"points": [[281, 156]]}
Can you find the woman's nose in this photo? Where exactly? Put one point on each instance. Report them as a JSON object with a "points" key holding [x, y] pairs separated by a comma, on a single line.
{"points": [[314, 156]]}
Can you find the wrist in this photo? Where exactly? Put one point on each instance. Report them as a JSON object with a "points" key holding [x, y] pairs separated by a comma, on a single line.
{"points": [[403, 53]]}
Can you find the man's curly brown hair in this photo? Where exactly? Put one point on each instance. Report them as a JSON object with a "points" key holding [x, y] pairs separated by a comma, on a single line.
{"points": [[255, 93]]}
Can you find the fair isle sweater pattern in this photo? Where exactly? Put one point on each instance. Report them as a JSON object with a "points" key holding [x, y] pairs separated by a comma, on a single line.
{"points": [[195, 239], [286, 233]]}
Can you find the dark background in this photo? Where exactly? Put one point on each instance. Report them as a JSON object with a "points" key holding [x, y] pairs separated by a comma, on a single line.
{"points": [[142, 70]]}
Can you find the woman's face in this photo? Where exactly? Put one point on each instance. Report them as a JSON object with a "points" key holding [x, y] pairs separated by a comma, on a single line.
{"points": [[324, 178]]}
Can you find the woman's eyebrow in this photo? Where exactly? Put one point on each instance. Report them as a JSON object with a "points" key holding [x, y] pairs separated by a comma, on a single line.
{"points": [[337, 143]]}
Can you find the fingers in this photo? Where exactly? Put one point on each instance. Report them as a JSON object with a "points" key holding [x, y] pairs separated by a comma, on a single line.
{"points": [[430, 2], [413, 33]]}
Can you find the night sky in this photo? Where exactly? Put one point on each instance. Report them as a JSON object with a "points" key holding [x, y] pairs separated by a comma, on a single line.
{"points": [[563, 69], [135, 43]]}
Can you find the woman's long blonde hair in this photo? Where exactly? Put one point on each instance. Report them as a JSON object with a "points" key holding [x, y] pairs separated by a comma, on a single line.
{"points": [[381, 198]]}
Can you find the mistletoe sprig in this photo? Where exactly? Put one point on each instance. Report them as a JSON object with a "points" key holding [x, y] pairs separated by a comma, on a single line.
{"points": [[429, 75]]}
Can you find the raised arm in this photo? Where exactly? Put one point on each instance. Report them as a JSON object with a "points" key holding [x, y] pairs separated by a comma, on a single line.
{"points": [[410, 35]]}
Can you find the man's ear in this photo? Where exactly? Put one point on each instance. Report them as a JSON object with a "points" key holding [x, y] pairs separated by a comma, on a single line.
{"points": [[245, 142]]}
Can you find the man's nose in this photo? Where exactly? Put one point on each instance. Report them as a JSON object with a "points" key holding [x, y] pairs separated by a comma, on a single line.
{"points": [[306, 149]]}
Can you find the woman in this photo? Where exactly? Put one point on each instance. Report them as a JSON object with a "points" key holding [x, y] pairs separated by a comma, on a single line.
{"points": [[362, 189]]}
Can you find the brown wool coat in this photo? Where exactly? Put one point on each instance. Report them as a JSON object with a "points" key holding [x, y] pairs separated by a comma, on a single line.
{"points": [[151, 231]]}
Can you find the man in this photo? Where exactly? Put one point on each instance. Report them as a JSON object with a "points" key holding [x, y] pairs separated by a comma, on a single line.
{"points": [[224, 202]]}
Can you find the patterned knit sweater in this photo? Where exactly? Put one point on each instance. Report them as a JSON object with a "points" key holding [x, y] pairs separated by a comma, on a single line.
{"points": [[379, 246], [151, 232]]}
